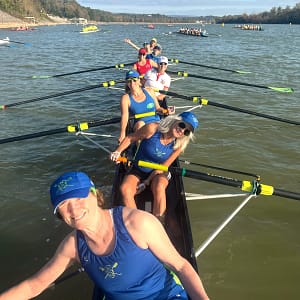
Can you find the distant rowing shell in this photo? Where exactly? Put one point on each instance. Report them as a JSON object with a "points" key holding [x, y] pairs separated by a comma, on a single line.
{"points": [[202, 34]]}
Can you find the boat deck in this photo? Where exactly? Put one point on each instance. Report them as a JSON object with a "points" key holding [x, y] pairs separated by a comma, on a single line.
{"points": [[177, 223]]}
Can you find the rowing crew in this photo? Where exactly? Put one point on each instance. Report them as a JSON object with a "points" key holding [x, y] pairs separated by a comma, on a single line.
{"points": [[192, 31], [152, 68], [126, 252]]}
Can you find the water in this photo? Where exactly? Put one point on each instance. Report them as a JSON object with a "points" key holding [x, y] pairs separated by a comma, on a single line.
{"points": [[257, 256]]}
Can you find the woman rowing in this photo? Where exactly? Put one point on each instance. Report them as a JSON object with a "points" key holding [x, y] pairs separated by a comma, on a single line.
{"points": [[137, 100], [160, 143], [125, 251], [143, 65], [158, 79], [149, 46]]}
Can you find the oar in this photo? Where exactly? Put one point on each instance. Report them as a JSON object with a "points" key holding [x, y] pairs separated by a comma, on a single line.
{"points": [[254, 187], [220, 169], [174, 60], [203, 101], [119, 66], [72, 128], [64, 278], [278, 89], [214, 34], [16, 42], [103, 84]]}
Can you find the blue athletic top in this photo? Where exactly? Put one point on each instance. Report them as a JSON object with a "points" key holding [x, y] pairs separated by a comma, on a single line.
{"points": [[153, 57], [145, 106], [152, 150], [129, 272]]}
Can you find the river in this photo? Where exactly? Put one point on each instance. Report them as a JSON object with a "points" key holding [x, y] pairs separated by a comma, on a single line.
{"points": [[257, 255]]}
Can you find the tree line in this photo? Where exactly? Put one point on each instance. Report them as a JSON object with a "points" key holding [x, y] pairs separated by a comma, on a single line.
{"points": [[276, 15], [40, 9]]}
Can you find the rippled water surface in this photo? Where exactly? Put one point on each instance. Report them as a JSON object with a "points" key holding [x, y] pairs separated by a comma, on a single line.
{"points": [[257, 255]]}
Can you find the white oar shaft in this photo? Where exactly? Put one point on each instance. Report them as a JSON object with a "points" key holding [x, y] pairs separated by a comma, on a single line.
{"points": [[220, 228]]}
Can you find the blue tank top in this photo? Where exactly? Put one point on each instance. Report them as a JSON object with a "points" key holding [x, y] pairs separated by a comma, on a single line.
{"points": [[129, 272], [145, 106], [152, 150]]}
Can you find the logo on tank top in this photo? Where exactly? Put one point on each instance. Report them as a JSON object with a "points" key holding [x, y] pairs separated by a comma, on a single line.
{"points": [[159, 153], [150, 105], [109, 270]]}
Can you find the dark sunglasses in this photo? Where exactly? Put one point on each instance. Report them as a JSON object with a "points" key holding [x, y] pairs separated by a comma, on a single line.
{"points": [[186, 131], [132, 79], [163, 64]]}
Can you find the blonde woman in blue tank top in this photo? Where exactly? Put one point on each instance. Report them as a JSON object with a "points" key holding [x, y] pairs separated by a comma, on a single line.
{"points": [[160, 143], [124, 251]]}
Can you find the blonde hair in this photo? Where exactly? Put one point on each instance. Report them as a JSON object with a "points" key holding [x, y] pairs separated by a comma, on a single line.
{"points": [[166, 124]]}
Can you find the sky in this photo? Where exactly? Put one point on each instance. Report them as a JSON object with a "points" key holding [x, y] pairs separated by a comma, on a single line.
{"points": [[188, 7]]}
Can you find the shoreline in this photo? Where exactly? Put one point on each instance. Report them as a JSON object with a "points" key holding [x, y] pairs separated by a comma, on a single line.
{"points": [[15, 25]]}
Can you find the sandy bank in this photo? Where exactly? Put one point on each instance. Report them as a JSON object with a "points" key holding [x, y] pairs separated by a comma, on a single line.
{"points": [[9, 22]]}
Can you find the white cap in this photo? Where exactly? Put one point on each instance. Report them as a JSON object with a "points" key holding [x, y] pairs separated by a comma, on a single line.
{"points": [[162, 59]]}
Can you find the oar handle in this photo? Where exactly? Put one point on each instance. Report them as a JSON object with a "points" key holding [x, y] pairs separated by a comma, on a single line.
{"points": [[122, 159]]}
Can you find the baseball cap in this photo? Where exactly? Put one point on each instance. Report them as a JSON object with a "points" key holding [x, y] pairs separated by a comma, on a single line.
{"points": [[70, 185], [142, 51], [190, 118], [132, 74], [163, 59], [158, 47], [154, 39]]}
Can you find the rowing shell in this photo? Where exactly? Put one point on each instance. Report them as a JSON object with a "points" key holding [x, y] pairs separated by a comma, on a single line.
{"points": [[177, 222]]}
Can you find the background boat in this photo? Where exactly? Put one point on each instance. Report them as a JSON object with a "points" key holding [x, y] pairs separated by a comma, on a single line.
{"points": [[151, 26], [89, 29], [259, 248], [4, 42]]}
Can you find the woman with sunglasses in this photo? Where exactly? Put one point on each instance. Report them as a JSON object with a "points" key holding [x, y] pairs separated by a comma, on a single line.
{"points": [[159, 79], [160, 143], [143, 65], [137, 100], [125, 252]]}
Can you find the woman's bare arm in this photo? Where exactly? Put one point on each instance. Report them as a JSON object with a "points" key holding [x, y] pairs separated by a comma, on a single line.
{"points": [[148, 232]]}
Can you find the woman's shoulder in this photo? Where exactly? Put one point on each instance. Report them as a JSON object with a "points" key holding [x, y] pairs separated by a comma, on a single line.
{"points": [[135, 217], [150, 91], [125, 98]]}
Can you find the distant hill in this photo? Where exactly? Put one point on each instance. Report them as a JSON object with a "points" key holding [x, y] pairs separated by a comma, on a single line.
{"points": [[41, 9], [277, 15]]}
